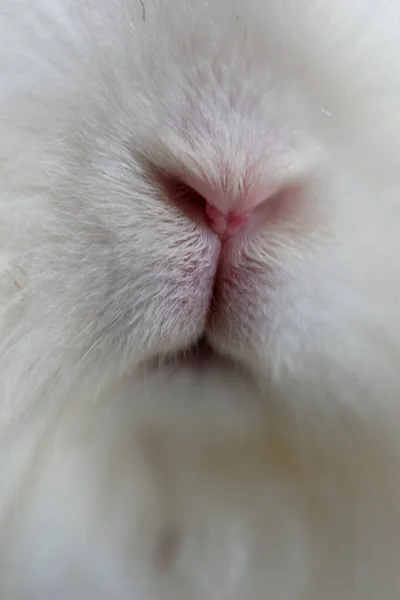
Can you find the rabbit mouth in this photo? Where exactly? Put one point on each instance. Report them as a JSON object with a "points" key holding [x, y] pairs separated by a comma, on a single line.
{"points": [[200, 354]]}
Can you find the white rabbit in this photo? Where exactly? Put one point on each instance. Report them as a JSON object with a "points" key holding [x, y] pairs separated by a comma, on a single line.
{"points": [[199, 300]]}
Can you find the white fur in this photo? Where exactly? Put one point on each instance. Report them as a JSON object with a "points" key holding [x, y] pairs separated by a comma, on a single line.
{"points": [[278, 477]]}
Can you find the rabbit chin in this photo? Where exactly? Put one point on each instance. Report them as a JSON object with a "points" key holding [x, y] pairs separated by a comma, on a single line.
{"points": [[180, 485]]}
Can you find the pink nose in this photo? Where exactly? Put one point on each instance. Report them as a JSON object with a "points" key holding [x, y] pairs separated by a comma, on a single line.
{"points": [[224, 211], [226, 224], [227, 213]]}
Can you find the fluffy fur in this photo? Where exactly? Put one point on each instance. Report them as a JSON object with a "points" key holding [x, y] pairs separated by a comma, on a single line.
{"points": [[272, 470]]}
